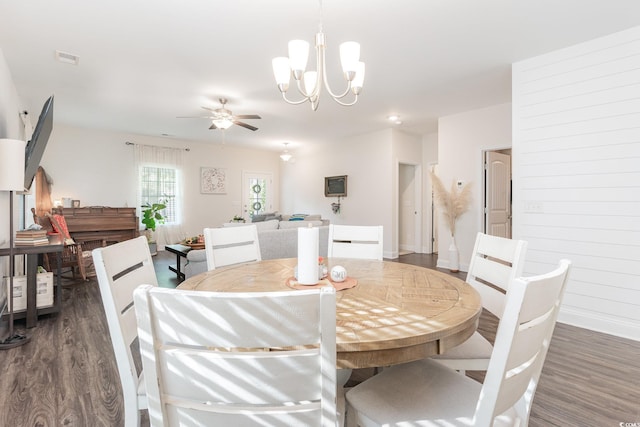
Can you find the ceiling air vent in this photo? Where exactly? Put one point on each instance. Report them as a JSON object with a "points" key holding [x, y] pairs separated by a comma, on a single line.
{"points": [[67, 58]]}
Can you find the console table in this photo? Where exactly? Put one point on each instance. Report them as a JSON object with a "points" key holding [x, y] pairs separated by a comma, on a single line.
{"points": [[32, 252], [101, 223]]}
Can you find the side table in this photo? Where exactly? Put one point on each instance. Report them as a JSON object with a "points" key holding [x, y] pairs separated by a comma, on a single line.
{"points": [[181, 252], [33, 252]]}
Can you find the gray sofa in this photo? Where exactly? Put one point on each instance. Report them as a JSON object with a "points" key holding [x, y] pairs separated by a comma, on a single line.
{"points": [[279, 240]]}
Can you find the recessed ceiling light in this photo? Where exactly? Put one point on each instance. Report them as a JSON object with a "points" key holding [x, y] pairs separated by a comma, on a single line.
{"points": [[67, 58]]}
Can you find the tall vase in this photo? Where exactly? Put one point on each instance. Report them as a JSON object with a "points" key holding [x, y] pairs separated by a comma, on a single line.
{"points": [[454, 256]]}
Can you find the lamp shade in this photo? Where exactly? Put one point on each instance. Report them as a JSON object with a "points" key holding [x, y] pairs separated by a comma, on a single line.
{"points": [[11, 164]]}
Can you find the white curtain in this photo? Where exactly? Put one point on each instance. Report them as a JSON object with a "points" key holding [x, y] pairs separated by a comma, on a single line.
{"points": [[163, 157]]}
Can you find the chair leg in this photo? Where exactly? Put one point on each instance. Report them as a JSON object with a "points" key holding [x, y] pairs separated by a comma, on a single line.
{"points": [[81, 270]]}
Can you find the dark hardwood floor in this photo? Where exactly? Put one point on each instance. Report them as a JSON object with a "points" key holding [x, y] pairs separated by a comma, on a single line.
{"points": [[67, 376]]}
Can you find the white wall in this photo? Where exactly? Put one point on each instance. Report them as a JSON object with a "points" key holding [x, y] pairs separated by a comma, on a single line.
{"points": [[576, 157], [97, 168], [371, 162], [462, 138], [368, 160]]}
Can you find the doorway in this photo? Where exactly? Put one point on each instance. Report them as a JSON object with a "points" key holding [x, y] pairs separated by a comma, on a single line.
{"points": [[497, 193], [409, 201], [257, 194]]}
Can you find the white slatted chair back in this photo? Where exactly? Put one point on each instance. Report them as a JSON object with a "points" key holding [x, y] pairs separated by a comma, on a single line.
{"points": [[120, 268], [427, 393], [495, 262], [239, 359], [231, 245], [521, 345], [355, 241]]}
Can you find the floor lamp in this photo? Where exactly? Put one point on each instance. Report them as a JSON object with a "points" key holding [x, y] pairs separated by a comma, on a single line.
{"points": [[12, 155]]}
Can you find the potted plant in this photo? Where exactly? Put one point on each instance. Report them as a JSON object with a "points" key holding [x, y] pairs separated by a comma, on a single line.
{"points": [[151, 217], [454, 203]]}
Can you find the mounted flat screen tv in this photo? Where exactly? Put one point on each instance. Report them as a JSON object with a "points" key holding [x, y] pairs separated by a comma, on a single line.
{"points": [[35, 147], [335, 186]]}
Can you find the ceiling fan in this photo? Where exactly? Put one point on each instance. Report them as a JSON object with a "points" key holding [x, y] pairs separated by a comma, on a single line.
{"points": [[221, 118]]}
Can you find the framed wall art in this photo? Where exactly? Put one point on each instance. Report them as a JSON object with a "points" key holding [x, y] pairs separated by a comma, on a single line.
{"points": [[335, 186], [213, 180]]}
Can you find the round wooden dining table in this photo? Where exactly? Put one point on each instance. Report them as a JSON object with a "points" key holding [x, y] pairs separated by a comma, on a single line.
{"points": [[395, 313]]}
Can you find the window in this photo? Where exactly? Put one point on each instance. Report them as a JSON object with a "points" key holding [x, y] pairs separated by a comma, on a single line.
{"points": [[160, 178], [159, 185]]}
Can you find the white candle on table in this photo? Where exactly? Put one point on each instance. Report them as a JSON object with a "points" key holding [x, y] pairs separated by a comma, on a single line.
{"points": [[308, 255]]}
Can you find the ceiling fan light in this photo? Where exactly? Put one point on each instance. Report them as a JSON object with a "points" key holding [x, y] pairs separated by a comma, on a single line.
{"points": [[298, 56], [282, 72], [222, 123]]}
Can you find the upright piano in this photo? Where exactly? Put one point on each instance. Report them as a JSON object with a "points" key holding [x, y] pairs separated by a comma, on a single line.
{"points": [[101, 222]]}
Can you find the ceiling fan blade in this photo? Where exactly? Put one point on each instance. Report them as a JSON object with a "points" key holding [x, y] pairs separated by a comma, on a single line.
{"points": [[209, 109], [195, 117], [245, 125], [247, 116], [213, 126]]}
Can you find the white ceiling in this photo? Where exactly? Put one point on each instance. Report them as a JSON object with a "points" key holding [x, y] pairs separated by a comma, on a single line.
{"points": [[143, 63]]}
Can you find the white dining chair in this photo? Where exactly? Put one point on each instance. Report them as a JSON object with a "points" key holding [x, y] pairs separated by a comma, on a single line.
{"points": [[495, 263], [121, 268], [426, 393], [231, 245], [239, 358], [355, 241]]}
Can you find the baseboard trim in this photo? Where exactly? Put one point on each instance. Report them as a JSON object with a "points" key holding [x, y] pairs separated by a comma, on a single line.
{"points": [[599, 323]]}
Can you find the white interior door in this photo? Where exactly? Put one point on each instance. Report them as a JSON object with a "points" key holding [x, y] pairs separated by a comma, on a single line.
{"points": [[257, 193], [498, 194], [407, 209]]}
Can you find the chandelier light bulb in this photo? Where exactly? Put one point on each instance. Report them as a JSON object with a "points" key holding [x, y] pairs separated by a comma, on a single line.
{"points": [[349, 57], [310, 81], [298, 57], [358, 80], [282, 72]]}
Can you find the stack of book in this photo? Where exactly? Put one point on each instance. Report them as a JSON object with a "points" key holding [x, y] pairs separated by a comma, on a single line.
{"points": [[31, 238]]}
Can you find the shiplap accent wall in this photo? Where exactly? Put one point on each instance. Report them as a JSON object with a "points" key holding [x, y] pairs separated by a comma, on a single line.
{"points": [[576, 157]]}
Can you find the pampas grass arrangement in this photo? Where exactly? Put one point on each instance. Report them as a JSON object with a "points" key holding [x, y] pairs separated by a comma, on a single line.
{"points": [[454, 202]]}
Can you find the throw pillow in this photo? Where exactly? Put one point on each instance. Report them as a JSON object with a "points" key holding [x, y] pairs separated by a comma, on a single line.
{"points": [[59, 225], [258, 218]]}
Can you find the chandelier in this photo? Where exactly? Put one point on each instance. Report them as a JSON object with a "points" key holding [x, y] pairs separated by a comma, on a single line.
{"points": [[286, 156], [310, 83]]}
